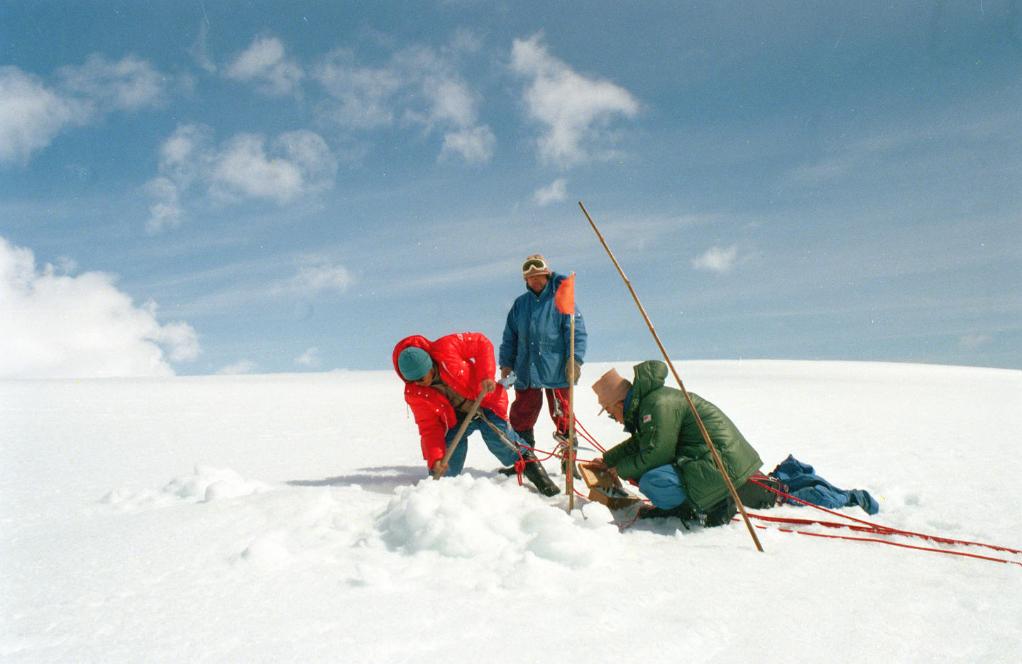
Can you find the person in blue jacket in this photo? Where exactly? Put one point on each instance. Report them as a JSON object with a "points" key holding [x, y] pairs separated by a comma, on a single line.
{"points": [[535, 347]]}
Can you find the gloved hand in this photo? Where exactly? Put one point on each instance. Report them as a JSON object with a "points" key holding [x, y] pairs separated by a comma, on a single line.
{"points": [[578, 372]]}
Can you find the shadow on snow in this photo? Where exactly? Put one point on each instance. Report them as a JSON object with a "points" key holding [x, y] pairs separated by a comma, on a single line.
{"points": [[382, 479]]}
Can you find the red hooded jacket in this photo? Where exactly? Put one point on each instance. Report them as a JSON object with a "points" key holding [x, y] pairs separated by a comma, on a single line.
{"points": [[464, 360]]}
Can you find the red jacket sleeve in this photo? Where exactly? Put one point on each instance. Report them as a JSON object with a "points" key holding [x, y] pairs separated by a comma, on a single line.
{"points": [[434, 417], [431, 436]]}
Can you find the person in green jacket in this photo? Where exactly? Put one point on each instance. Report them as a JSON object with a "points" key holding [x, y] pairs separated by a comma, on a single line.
{"points": [[666, 454]]}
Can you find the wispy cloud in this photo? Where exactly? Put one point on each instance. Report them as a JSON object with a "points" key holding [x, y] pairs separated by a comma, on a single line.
{"points": [[717, 259], [318, 276], [362, 96], [310, 358], [58, 325], [238, 368], [416, 86], [554, 192], [573, 108], [905, 144], [126, 85], [974, 341], [295, 163], [199, 50], [475, 145], [266, 64], [33, 113]]}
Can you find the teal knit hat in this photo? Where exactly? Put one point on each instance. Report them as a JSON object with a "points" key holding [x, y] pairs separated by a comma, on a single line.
{"points": [[414, 363]]}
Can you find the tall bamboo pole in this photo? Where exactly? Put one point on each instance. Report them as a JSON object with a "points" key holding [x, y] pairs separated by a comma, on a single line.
{"points": [[699, 421]]}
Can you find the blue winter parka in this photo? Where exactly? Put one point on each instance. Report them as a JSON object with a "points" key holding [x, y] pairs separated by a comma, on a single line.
{"points": [[537, 337]]}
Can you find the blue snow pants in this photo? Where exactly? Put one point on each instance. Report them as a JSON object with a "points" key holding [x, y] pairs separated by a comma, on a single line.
{"points": [[504, 452], [663, 487]]}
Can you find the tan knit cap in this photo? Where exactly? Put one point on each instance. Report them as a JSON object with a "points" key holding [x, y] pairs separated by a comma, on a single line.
{"points": [[610, 389]]}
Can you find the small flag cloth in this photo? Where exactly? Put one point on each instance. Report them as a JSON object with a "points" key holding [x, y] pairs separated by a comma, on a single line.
{"points": [[565, 297]]}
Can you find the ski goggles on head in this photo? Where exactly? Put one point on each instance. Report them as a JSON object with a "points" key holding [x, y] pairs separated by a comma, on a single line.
{"points": [[534, 265]]}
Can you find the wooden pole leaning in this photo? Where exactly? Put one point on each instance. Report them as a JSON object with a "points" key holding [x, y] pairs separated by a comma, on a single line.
{"points": [[441, 466], [699, 421]]}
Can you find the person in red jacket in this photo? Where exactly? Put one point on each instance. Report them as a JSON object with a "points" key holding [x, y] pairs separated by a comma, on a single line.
{"points": [[442, 380]]}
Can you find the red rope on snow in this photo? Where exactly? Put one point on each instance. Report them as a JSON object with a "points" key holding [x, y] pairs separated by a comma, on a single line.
{"points": [[890, 543], [867, 526]]}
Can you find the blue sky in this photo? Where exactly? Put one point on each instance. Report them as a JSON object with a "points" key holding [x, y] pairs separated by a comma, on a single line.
{"points": [[198, 187]]}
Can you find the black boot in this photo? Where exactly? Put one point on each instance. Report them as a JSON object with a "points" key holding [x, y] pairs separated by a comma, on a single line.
{"points": [[537, 475], [685, 512], [530, 439], [562, 449], [720, 514]]}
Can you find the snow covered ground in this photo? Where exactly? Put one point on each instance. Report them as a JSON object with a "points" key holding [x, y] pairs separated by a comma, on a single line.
{"points": [[286, 518]]}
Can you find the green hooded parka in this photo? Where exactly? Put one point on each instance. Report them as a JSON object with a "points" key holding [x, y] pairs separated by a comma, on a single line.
{"points": [[664, 431]]}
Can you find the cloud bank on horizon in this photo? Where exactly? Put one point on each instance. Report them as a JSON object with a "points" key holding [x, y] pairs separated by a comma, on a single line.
{"points": [[60, 325]]}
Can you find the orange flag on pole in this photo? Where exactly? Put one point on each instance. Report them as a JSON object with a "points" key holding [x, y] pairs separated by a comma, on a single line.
{"points": [[565, 296]]}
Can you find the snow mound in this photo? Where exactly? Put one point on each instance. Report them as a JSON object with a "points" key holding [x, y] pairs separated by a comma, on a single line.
{"points": [[205, 484], [492, 519]]}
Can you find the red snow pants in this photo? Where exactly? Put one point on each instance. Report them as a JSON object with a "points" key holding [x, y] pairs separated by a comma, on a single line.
{"points": [[527, 404]]}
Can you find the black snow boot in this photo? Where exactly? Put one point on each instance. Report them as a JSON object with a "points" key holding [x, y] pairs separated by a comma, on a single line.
{"points": [[562, 449], [685, 512], [530, 439], [720, 514], [536, 474]]}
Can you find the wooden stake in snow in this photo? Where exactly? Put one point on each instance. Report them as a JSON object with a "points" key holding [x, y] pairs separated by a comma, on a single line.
{"points": [[564, 299], [699, 421], [441, 466]]}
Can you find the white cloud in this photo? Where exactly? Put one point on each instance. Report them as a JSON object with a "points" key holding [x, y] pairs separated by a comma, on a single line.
{"points": [[317, 276], [310, 358], [127, 85], [717, 259], [298, 162], [31, 115], [200, 49], [295, 163], [244, 169], [474, 145], [554, 192], [573, 109], [448, 99], [265, 63], [363, 94], [974, 341], [239, 367], [417, 86], [165, 210], [61, 326]]}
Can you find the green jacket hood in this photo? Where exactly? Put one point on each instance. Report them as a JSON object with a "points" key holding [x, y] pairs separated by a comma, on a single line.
{"points": [[649, 376]]}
